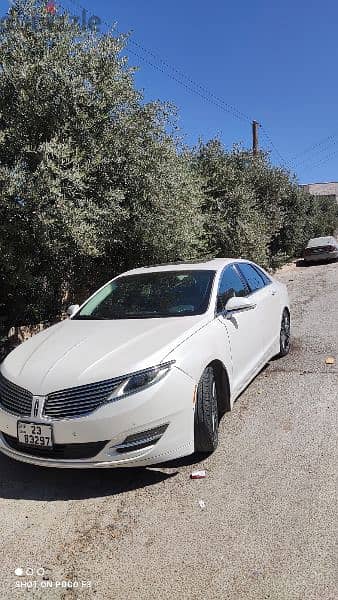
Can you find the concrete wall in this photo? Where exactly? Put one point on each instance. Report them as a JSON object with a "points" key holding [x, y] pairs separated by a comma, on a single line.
{"points": [[322, 189]]}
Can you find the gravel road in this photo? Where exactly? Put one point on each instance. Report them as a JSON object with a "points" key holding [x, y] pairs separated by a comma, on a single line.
{"points": [[269, 526]]}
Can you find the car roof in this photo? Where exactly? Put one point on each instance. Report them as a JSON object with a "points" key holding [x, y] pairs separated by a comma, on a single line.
{"points": [[321, 241], [216, 264]]}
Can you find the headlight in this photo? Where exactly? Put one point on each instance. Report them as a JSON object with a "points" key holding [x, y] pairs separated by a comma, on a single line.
{"points": [[139, 381]]}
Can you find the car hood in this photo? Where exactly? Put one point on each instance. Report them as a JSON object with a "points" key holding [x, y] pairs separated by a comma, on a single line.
{"points": [[77, 352]]}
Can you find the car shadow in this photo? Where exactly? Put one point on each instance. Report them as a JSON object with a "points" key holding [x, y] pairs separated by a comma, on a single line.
{"points": [[27, 482], [186, 461]]}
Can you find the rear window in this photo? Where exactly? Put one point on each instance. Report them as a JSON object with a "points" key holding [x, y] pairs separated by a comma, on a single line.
{"points": [[322, 241]]}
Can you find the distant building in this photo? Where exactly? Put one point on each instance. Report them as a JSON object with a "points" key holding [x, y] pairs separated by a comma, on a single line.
{"points": [[322, 189]]}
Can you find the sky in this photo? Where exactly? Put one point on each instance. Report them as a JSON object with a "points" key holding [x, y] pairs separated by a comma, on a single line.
{"points": [[271, 61]]}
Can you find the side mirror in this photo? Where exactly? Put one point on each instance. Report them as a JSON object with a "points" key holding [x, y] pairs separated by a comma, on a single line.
{"points": [[237, 304], [71, 310]]}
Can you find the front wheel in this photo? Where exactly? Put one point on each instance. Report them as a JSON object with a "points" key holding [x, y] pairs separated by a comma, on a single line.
{"points": [[284, 338], [206, 413]]}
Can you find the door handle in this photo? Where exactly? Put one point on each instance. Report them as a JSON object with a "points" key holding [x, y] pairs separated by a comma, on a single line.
{"points": [[273, 292]]}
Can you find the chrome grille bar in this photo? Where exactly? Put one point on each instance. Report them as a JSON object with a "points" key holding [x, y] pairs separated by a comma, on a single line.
{"points": [[15, 399], [64, 404], [79, 401], [79, 397]]}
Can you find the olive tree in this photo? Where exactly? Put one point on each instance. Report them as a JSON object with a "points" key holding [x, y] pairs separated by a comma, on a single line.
{"points": [[91, 177]]}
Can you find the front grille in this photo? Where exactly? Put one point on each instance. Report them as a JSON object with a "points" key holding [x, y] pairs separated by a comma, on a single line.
{"points": [[79, 401], [65, 404], [15, 399], [60, 451]]}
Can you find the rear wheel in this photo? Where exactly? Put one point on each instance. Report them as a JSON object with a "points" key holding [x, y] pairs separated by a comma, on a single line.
{"points": [[284, 338], [206, 413]]}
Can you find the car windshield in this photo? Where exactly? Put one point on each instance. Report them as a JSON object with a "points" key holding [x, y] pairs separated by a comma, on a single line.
{"points": [[151, 295]]}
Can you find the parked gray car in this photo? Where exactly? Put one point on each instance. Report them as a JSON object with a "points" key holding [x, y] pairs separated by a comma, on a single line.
{"points": [[321, 248]]}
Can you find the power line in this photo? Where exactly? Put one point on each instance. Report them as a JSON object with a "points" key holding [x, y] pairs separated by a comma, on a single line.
{"points": [[200, 90], [283, 161], [325, 160], [205, 91], [310, 159], [316, 145], [206, 97], [197, 89]]}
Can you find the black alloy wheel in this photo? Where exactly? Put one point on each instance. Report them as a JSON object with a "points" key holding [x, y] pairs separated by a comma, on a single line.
{"points": [[207, 413], [285, 333]]}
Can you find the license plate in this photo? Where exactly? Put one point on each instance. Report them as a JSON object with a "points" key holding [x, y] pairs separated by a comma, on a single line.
{"points": [[35, 435]]}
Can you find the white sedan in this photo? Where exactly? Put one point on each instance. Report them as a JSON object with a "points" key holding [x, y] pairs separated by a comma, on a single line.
{"points": [[320, 249], [142, 372]]}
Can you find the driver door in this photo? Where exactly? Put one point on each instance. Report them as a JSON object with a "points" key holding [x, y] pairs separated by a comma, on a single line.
{"points": [[243, 328]]}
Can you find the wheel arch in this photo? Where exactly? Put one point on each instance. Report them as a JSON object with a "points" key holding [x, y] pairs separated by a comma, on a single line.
{"points": [[223, 385], [286, 307]]}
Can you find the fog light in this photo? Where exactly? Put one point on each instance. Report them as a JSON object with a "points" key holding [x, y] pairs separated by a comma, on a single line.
{"points": [[137, 441]]}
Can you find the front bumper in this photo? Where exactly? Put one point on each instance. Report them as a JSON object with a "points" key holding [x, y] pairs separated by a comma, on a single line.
{"points": [[169, 402]]}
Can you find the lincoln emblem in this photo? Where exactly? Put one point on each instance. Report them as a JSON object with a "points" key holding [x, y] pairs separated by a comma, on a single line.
{"points": [[36, 408]]}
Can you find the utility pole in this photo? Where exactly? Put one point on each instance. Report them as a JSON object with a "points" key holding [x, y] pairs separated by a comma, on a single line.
{"points": [[255, 126]]}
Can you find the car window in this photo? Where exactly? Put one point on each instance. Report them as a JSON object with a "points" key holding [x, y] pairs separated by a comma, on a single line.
{"points": [[252, 276], [265, 278], [230, 285]]}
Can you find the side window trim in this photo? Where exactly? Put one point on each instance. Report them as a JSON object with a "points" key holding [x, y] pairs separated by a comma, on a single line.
{"points": [[251, 291], [217, 312], [243, 280]]}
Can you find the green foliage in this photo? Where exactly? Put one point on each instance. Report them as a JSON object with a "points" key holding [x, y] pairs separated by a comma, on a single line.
{"points": [[256, 210], [234, 222], [323, 215], [94, 181], [91, 181]]}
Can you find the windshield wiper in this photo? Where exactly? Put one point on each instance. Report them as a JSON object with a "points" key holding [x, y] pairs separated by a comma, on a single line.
{"points": [[90, 318], [126, 316]]}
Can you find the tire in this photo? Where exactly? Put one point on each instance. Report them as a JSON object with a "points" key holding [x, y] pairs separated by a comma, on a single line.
{"points": [[206, 413], [284, 337]]}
